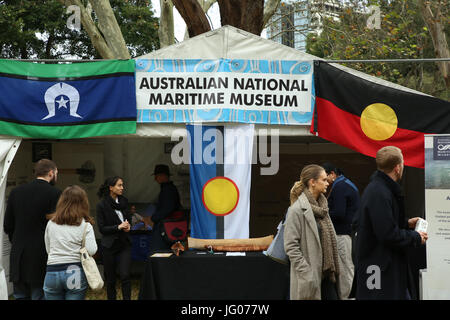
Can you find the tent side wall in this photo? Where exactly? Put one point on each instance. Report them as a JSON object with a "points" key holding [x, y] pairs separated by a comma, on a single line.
{"points": [[8, 149]]}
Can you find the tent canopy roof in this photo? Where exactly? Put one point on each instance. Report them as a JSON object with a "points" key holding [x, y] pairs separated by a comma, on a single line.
{"points": [[229, 42]]}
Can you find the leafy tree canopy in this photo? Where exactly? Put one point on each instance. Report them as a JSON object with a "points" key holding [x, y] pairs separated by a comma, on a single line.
{"points": [[38, 29], [403, 35]]}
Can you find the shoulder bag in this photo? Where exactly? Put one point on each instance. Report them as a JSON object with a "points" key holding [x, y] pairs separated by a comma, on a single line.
{"points": [[90, 268], [276, 248]]}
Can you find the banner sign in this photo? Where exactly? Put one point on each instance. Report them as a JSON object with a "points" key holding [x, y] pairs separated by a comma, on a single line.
{"points": [[65, 101], [224, 90], [437, 214]]}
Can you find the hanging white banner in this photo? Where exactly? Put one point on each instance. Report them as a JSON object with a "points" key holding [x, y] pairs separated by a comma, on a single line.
{"points": [[223, 90]]}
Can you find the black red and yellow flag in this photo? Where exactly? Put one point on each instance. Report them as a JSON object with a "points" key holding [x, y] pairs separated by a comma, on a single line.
{"points": [[365, 116]]}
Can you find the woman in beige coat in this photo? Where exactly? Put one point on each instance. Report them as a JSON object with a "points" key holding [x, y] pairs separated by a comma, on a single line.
{"points": [[310, 239]]}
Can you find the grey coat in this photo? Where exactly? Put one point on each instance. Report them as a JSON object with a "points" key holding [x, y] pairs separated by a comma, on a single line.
{"points": [[302, 245]]}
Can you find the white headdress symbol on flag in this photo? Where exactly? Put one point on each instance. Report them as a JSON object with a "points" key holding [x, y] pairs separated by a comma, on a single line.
{"points": [[61, 89]]}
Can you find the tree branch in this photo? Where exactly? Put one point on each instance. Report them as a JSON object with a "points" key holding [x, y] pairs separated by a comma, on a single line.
{"points": [[96, 37], [110, 28], [269, 10], [193, 15], [436, 29], [243, 14], [206, 5], [166, 28]]}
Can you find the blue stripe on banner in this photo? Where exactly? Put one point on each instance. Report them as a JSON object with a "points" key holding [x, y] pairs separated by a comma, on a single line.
{"points": [[203, 223], [74, 101], [220, 223]]}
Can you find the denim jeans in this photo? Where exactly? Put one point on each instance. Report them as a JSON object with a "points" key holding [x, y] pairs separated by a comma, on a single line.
{"points": [[68, 284]]}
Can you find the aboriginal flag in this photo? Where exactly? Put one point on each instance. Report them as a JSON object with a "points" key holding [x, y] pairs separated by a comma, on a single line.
{"points": [[64, 101], [220, 179], [366, 116]]}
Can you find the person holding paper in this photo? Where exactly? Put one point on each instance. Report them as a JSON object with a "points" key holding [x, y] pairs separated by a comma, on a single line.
{"points": [[384, 234], [113, 223]]}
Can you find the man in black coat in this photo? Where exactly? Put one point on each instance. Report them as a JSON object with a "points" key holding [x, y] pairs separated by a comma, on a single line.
{"points": [[384, 234], [343, 203], [168, 202], [25, 222]]}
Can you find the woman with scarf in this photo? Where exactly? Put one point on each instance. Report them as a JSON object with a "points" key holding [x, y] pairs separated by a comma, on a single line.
{"points": [[310, 239], [113, 223]]}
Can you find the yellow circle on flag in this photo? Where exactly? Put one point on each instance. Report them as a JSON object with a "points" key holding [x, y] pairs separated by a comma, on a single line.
{"points": [[220, 196], [378, 121]]}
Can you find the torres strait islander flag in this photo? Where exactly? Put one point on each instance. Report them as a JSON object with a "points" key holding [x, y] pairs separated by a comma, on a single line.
{"points": [[366, 116], [65, 101], [220, 178]]}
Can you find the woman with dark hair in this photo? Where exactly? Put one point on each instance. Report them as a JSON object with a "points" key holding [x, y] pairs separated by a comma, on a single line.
{"points": [[310, 239], [65, 278], [113, 223]]}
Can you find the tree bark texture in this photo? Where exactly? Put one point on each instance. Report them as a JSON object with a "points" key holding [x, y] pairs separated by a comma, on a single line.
{"points": [[110, 29], [166, 31], [243, 14], [206, 5], [110, 44], [193, 15], [436, 29]]}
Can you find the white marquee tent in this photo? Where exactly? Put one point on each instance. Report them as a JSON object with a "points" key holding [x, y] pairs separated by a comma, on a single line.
{"points": [[227, 43]]}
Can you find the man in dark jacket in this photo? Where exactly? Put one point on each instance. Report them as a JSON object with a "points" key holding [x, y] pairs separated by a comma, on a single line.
{"points": [[25, 222], [343, 202], [168, 202], [384, 235]]}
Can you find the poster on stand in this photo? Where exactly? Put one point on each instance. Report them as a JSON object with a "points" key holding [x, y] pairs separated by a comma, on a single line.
{"points": [[436, 283]]}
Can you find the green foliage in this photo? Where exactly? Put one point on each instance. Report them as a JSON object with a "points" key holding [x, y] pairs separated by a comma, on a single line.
{"points": [[139, 26], [37, 29], [403, 35]]}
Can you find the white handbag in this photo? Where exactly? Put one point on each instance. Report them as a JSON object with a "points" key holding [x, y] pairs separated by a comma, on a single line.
{"points": [[90, 268], [3, 285], [276, 248]]}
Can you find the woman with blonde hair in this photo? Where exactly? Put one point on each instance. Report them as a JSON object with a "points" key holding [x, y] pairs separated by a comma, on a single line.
{"points": [[65, 278], [310, 239]]}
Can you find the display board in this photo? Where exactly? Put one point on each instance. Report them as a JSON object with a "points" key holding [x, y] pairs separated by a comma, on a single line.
{"points": [[435, 281]]}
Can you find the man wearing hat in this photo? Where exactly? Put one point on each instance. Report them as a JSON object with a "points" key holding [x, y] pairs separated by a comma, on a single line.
{"points": [[168, 202]]}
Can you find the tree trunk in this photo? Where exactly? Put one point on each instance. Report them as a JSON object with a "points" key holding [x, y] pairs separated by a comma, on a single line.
{"points": [[243, 14], [110, 29], [433, 22], [193, 15], [206, 5], [49, 45], [111, 44], [166, 28]]}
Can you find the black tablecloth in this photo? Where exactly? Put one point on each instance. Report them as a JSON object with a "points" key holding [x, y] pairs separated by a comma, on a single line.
{"points": [[194, 276]]}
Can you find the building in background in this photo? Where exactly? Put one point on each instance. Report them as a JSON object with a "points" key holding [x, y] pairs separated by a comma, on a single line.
{"points": [[295, 19]]}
